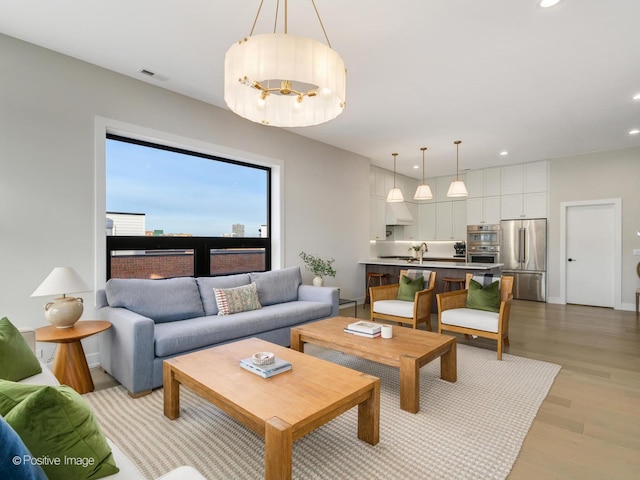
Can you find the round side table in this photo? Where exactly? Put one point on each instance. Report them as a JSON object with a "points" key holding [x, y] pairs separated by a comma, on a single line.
{"points": [[70, 365]]}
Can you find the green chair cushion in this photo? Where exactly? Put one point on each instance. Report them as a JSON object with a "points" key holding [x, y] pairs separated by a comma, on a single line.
{"points": [[484, 298], [56, 424], [17, 361], [408, 288]]}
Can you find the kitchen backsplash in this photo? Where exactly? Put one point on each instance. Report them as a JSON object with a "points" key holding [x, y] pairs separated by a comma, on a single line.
{"points": [[437, 248]]}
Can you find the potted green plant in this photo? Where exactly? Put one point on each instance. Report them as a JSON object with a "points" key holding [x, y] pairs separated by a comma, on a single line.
{"points": [[319, 267]]}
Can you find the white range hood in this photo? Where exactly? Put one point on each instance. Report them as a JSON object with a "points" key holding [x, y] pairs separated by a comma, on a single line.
{"points": [[397, 213]]}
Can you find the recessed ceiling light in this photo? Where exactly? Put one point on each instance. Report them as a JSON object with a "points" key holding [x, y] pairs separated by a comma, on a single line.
{"points": [[636, 96], [635, 131], [416, 166], [547, 3], [504, 152]]}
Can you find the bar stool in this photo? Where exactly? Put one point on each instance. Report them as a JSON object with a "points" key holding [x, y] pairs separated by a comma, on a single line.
{"points": [[448, 281], [371, 279]]}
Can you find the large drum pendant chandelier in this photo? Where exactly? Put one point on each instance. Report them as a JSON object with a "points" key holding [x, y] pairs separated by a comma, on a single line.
{"points": [[284, 80]]}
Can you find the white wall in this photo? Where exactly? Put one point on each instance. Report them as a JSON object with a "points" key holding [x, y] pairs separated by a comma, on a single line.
{"points": [[596, 176], [52, 107]]}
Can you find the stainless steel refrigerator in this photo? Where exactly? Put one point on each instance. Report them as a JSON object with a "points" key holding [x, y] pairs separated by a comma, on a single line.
{"points": [[524, 255]]}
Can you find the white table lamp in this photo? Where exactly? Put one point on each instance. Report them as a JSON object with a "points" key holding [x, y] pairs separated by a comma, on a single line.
{"points": [[63, 311]]}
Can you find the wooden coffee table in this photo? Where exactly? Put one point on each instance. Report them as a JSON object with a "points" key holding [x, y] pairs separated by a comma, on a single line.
{"points": [[282, 408], [409, 350]]}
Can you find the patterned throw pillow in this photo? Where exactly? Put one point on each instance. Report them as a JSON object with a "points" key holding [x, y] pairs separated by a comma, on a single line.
{"points": [[238, 299]]}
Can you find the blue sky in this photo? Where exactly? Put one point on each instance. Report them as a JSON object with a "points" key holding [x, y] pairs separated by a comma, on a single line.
{"points": [[182, 193]]}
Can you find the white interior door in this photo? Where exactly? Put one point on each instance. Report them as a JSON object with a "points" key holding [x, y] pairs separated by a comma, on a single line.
{"points": [[590, 254]]}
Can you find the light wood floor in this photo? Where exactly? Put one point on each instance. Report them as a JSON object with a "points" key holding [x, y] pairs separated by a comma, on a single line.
{"points": [[588, 427]]}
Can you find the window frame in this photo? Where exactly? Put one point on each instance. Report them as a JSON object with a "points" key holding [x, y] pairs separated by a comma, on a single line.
{"points": [[202, 246]]}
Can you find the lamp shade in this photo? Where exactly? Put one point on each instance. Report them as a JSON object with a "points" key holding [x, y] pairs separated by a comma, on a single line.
{"points": [[60, 281], [457, 189], [395, 195], [423, 192], [261, 62]]}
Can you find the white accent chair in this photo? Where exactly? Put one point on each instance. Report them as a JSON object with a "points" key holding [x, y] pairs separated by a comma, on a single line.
{"points": [[385, 306], [128, 471], [453, 315]]}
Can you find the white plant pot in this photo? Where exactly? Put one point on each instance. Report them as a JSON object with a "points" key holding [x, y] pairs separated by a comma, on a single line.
{"points": [[318, 281]]}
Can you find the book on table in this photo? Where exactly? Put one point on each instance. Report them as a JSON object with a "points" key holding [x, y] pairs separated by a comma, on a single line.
{"points": [[364, 327], [266, 371], [362, 334]]}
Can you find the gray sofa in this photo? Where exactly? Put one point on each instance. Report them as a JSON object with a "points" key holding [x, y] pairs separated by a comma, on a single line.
{"points": [[153, 320]]}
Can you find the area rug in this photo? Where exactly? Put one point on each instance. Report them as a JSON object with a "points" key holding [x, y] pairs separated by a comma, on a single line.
{"points": [[471, 429]]}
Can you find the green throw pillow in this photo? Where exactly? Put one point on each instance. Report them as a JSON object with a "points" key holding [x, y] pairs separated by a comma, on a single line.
{"points": [[17, 361], [484, 298], [57, 425], [408, 288]]}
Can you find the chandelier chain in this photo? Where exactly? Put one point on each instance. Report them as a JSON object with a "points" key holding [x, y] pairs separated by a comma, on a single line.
{"points": [[286, 21], [321, 24]]}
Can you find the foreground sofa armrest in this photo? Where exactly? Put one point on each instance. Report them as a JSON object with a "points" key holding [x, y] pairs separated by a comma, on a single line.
{"points": [[329, 295], [127, 349]]}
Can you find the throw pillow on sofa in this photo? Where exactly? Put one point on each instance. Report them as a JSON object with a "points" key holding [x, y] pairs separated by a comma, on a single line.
{"points": [[13, 455], [238, 299], [17, 361], [57, 424]]}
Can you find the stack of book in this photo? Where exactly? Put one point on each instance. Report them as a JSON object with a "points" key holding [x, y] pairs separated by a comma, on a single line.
{"points": [[266, 371], [364, 329]]}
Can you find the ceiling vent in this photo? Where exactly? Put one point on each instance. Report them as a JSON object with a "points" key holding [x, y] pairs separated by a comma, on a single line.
{"points": [[147, 72]]}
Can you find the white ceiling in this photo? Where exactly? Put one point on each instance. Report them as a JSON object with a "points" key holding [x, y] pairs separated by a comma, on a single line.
{"points": [[496, 74]]}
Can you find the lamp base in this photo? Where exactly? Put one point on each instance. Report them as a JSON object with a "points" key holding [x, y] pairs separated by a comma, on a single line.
{"points": [[64, 312]]}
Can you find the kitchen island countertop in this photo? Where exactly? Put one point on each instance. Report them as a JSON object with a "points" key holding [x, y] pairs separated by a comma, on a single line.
{"points": [[431, 264]]}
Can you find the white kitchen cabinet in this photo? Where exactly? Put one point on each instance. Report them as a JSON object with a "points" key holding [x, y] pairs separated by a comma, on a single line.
{"points": [[535, 205], [528, 205], [411, 231], [483, 210], [492, 182], [475, 183], [444, 220], [427, 223], [451, 220], [527, 178], [459, 220], [512, 180], [377, 227]]}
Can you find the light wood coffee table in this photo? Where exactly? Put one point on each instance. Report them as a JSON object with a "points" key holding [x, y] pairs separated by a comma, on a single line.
{"points": [[408, 350], [282, 408]]}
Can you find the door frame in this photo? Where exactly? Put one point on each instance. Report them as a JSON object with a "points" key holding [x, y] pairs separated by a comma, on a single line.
{"points": [[617, 247]]}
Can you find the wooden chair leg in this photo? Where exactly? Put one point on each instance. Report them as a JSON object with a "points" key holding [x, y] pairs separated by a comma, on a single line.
{"points": [[499, 349], [506, 341]]}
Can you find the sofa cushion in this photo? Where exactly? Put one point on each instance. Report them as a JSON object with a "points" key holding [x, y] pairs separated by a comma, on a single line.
{"points": [[56, 422], [186, 335], [13, 448], [207, 284], [237, 299], [17, 361], [277, 286], [163, 300]]}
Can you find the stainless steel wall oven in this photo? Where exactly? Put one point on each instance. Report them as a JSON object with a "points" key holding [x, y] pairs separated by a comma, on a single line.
{"points": [[483, 243]]}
